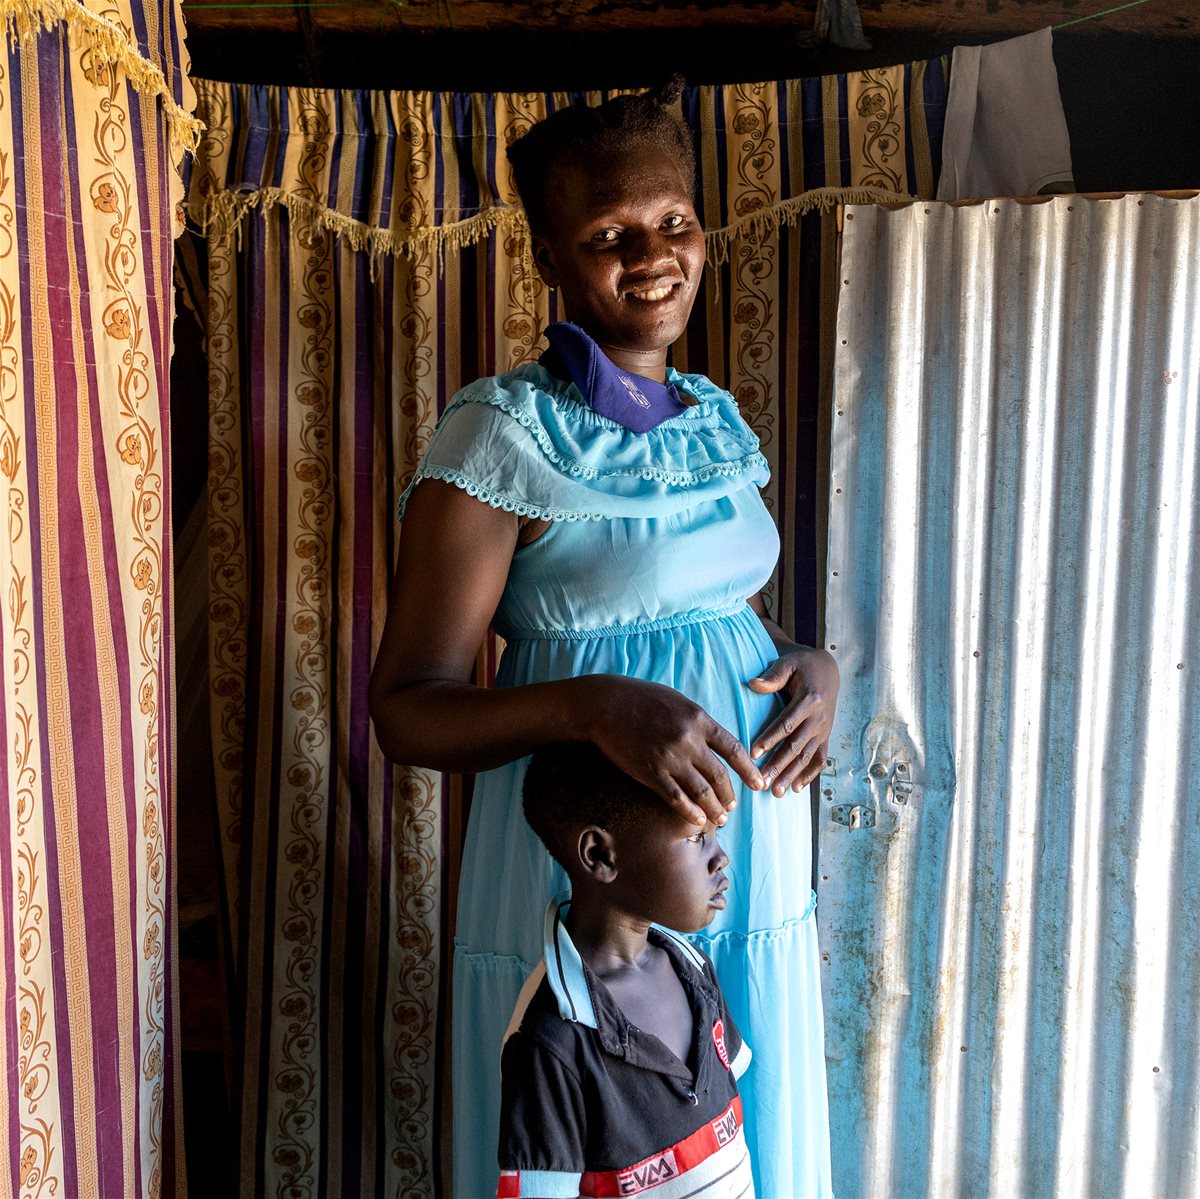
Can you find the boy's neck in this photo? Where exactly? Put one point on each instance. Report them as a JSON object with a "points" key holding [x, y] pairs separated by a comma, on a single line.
{"points": [[607, 939], [639, 976]]}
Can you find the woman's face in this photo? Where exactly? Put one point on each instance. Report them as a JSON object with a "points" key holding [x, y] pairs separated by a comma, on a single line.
{"points": [[626, 251]]}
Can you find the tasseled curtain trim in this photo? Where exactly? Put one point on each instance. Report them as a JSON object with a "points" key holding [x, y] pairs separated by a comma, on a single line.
{"points": [[225, 212], [24, 20]]}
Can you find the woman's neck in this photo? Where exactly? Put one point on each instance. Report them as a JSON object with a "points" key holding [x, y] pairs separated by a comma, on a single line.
{"points": [[650, 364]]}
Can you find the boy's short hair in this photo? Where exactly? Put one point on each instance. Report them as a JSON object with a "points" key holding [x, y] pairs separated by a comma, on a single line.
{"points": [[572, 785], [578, 132]]}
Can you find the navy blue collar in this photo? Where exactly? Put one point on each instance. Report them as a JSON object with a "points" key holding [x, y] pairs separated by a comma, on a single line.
{"points": [[633, 401]]}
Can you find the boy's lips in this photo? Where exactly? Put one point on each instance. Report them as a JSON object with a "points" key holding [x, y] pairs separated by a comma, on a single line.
{"points": [[717, 899]]}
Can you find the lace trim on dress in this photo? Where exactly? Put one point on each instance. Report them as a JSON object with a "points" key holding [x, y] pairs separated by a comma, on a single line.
{"points": [[495, 499], [579, 470]]}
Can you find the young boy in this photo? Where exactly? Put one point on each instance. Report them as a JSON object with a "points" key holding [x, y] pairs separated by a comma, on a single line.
{"points": [[620, 1063]]}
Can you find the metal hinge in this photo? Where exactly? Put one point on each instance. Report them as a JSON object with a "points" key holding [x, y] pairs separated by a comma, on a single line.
{"points": [[853, 815]]}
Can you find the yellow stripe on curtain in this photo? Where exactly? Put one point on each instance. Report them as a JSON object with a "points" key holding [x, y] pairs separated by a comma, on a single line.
{"points": [[366, 258]]}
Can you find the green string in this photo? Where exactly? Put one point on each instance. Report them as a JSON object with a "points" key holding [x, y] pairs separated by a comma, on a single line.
{"points": [[1080, 20]]}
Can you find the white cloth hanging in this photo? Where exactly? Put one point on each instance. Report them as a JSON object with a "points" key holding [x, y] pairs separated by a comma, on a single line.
{"points": [[1005, 131]]}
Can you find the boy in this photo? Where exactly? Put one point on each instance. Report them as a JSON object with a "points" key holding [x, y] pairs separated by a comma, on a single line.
{"points": [[620, 1064]]}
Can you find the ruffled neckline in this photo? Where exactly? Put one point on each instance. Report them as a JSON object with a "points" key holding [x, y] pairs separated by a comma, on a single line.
{"points": [[708, 438], [528, 443]]}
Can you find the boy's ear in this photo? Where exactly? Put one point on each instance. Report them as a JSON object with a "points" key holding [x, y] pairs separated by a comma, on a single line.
{"points": [[598, 854], [543, 259]]}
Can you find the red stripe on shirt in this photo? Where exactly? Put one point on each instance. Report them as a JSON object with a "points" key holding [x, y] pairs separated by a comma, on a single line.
{"points": [[668, 1163]]}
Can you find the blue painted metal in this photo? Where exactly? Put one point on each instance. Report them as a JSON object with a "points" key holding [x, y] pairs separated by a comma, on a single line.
{"points": [[1013, 978]]}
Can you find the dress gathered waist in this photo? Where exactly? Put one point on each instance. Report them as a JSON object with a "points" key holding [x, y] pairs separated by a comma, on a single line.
{"points": [[679, 620]]}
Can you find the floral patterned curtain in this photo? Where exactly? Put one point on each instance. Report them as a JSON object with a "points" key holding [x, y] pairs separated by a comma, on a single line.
{"points": [[358, 256], [93, 123]]}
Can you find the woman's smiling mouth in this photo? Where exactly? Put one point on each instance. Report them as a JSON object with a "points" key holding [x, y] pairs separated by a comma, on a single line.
{"points": [[654, 294]]}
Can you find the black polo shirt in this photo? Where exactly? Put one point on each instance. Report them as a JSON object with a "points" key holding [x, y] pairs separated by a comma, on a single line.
{"points": [[593, 1106]]}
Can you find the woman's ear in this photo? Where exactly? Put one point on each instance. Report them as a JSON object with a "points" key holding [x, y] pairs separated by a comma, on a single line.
{"points": [[543, 259], [598, 854]]}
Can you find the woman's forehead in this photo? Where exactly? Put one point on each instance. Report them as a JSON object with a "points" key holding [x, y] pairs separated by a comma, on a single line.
{"points": [[633, 177]]}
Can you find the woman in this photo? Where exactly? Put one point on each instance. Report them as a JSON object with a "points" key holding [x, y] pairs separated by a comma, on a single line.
{"points": [[601, 511]]}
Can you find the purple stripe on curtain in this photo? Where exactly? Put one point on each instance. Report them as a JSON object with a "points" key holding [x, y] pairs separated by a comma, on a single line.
{"points": [[10, 1183], [52, 201], [358, 749], [87, 702], [8, 864]]}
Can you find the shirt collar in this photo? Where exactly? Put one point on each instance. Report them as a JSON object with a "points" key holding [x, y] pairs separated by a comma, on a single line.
{"points": [[633, 401], [584, 999]]}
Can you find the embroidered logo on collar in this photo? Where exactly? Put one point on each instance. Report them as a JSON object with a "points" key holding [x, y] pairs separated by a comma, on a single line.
{"points": [[637, 403], [634, 394], [719, 1042]]}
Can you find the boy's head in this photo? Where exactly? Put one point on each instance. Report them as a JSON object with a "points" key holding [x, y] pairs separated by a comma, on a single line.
{"points": [[619, 843]]}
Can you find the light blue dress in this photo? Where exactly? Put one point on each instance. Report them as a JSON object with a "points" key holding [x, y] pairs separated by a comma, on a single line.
{"points": [[657, 541]]}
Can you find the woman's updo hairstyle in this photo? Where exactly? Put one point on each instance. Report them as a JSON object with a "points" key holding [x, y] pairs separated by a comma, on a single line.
{"points": [[581, 132]]}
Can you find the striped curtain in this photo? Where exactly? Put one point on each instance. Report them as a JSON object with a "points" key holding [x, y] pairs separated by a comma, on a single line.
{"points": [[93, 124], [359, 256]]}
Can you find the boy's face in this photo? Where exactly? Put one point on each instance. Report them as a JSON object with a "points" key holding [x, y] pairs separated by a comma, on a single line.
{"points": [[670, 872]]}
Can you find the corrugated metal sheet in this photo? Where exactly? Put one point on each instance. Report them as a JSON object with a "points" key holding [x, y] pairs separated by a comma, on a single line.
{"points": [[1013, 945]]}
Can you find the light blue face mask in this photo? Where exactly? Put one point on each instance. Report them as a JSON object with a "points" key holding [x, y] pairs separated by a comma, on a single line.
{"points": [[637, 403]]}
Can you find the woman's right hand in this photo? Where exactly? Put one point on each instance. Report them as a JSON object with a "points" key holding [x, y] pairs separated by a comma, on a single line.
{"points": [[667, 743]]}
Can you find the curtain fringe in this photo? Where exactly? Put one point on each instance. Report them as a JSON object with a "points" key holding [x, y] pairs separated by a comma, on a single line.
{"points": [[225, 213], [787, 214], [24, 20]]}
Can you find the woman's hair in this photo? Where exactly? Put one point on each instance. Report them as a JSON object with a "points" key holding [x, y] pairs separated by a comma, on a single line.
{"points": [[572, 785], [579, 133]]}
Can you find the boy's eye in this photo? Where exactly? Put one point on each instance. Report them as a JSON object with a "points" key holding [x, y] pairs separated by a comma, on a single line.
{"points": [[605, 236], [697, 838], [674, 221]]}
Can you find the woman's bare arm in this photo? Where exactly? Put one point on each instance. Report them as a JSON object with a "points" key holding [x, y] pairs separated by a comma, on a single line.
{"points": [[455, 554]]}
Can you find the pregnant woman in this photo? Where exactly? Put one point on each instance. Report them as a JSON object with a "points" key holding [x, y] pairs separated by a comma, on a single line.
{"points": [[601, 511]]}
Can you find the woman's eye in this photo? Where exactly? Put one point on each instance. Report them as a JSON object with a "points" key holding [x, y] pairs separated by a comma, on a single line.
{"points": [[605, 236], [674, 221]]}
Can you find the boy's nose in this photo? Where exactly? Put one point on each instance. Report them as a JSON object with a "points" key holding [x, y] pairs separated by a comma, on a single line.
{"points": [[720, 859]]}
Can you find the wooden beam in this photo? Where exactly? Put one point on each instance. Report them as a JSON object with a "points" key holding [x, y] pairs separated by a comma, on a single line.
{"points": [[950, 19], [953, 18]]}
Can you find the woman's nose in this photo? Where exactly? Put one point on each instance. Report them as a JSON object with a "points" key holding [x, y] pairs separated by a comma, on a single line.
{"points": [[646, 248]]}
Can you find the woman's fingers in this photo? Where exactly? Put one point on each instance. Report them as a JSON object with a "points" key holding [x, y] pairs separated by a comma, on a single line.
{"points": [[786, 724], [797, 758], [681, 803], [724, 743], [705, 797], [801, 771], [716, 775]]}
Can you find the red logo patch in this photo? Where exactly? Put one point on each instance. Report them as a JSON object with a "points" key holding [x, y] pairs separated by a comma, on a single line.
{"points": [[719, 1042]]}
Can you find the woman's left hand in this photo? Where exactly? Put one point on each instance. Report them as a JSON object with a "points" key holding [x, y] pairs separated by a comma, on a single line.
{"points": [[799, 735]]}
